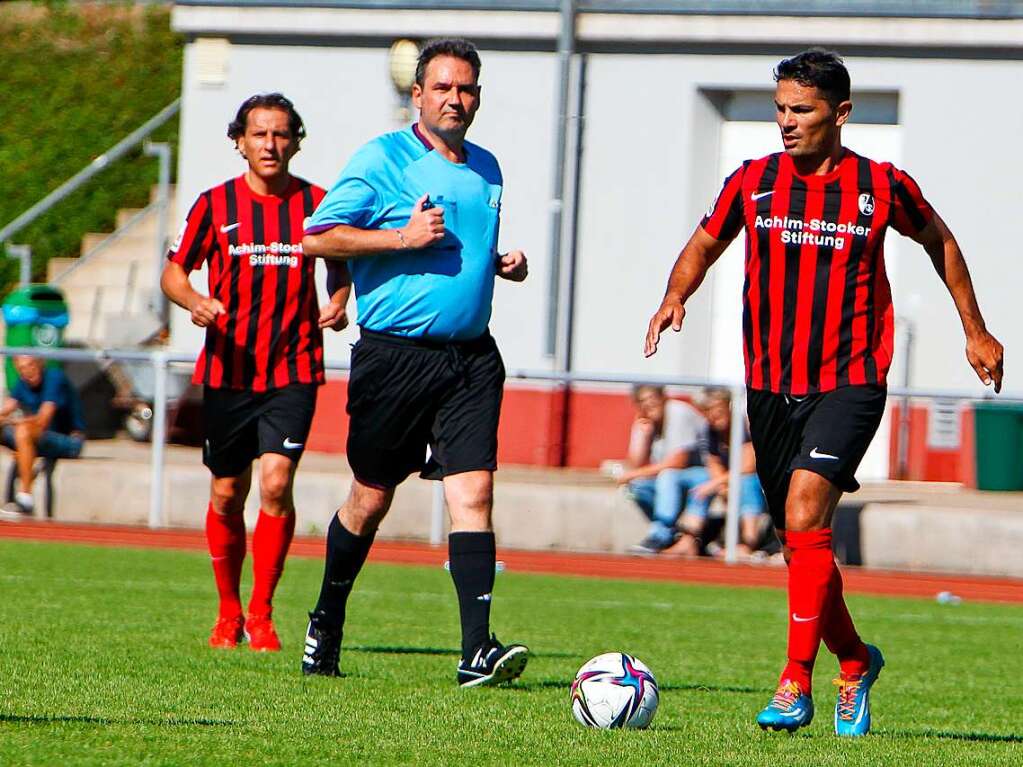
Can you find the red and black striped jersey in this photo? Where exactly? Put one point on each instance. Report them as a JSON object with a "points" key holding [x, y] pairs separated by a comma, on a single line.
{"points": [[817, 306], [268, 337]]}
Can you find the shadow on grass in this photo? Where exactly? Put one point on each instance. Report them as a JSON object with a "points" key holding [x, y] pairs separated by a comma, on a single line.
{"points": [[544, 684], [977, 737], [105, 721], [399, 650]]}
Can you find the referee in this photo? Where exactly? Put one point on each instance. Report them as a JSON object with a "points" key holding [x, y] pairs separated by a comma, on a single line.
{"points": [[416, 213], [817, 339], [262, 360]]}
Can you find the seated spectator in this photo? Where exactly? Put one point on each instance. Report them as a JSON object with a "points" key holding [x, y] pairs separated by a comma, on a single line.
{"points": [[664, 461], [41, 417], [714, 451]]}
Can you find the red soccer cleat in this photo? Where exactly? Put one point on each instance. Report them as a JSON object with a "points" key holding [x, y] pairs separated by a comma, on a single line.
{"points": [[261, 634], [227, 632]]}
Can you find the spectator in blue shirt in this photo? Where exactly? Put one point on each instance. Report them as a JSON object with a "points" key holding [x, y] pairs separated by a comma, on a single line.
{"points": [[41, 417], [714, 448]]}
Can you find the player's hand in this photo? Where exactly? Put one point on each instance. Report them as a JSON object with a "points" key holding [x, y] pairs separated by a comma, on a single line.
{"points": [[984, 354], [513, 266], [706, 489], [425, 227], [671, 313], [626, 477], [205, 311], [333, 316]]}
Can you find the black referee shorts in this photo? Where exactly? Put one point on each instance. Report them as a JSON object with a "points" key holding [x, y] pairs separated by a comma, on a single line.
{"points": [[825, 433], [405, 394], [242, 425]]}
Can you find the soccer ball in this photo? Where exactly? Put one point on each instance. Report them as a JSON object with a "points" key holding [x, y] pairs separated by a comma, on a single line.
{"points": [[614, 690]]}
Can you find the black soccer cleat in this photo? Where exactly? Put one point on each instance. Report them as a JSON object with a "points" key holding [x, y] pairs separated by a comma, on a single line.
{"points": [[493, 663], [322, 649]]}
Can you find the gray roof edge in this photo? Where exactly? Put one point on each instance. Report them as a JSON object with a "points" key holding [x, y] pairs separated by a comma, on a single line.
{"points": [[949, 9]]}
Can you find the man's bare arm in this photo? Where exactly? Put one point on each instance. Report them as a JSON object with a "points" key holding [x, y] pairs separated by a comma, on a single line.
{"points": [[424, 228], [677, 460], [983, 351], [176, 286], [690, 268], [9, 406]]}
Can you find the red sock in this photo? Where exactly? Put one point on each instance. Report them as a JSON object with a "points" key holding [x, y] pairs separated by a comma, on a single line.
{"points": [[225, 535], [840, 635], [270, 545], [810, 569]]}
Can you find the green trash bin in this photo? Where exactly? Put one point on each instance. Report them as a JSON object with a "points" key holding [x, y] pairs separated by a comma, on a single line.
{"points": [[998, 440], [35, 315]]}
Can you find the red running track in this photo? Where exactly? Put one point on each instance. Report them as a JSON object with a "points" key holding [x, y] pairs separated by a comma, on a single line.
{"points": [[970, 588]]}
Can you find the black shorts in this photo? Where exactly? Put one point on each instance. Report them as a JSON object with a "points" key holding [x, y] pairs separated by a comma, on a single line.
{"points": [[405, 394], [242, 425], [825, 433]]}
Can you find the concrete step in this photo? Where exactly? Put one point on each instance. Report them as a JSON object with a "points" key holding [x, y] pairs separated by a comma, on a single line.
{"points": [[92, 240], [124, 215], [126, 330], [154, 191], [903, 536], [535, 509], [147, 226], [107, 483], [55, 267], [91, 310], [114, 273]]}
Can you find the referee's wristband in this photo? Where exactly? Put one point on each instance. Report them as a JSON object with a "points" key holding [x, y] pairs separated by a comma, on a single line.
{"points": [[401, 239]]}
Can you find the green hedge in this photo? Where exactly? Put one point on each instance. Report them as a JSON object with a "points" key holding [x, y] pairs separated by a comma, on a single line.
{"points": [[77, 79]]}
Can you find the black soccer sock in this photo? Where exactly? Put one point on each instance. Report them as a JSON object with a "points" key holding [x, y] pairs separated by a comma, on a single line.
{"points": [[346, 553], [472, 557]]}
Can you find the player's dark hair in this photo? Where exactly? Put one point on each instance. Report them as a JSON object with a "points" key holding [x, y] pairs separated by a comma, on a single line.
{"points": [[820, 69], [236, 128], [456, 47]]}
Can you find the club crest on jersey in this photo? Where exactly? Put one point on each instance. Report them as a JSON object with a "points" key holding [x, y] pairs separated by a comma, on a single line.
{"points": [[713, 204], [176, 245], [866, 203]]}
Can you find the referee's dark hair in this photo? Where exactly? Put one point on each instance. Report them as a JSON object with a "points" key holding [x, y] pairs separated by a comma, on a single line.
{"points": [[455, 47], [236, 128], [817, 68]]}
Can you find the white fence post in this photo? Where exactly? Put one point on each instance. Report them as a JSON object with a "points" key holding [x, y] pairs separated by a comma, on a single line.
{"points": [[735, 443], [158, 438]]}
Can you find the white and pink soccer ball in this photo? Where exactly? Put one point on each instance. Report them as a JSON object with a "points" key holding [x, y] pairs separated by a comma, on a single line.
{"points": [[614, 690]]}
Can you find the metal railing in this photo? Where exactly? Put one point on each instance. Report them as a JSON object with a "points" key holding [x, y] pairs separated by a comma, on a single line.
{"points": [[111, 239], [98, 165], [161, 360]]}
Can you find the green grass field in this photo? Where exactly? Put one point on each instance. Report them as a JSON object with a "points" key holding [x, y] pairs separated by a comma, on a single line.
{"points": [[103, 661]]}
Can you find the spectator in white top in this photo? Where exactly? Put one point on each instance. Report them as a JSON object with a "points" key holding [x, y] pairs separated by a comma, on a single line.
{"points": [[664, 462]]}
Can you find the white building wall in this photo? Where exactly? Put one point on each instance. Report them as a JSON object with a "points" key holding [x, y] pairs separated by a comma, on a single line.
{"points": [[650, 167], [345, 98]]}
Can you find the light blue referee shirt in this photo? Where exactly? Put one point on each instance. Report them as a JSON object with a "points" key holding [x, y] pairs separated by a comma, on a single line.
{"points": [[443, 292]]}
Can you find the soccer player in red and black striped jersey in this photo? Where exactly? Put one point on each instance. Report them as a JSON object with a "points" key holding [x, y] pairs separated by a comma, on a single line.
{"points": [[817, 341], [263, 357]]}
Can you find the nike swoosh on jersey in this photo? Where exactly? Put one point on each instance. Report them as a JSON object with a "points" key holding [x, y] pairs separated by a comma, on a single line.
{"points": [[760, 195], [225, 228]]}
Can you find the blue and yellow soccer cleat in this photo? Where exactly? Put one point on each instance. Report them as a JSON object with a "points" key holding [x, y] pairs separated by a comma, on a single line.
{"points": [[788, 710], [852, 710]]}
